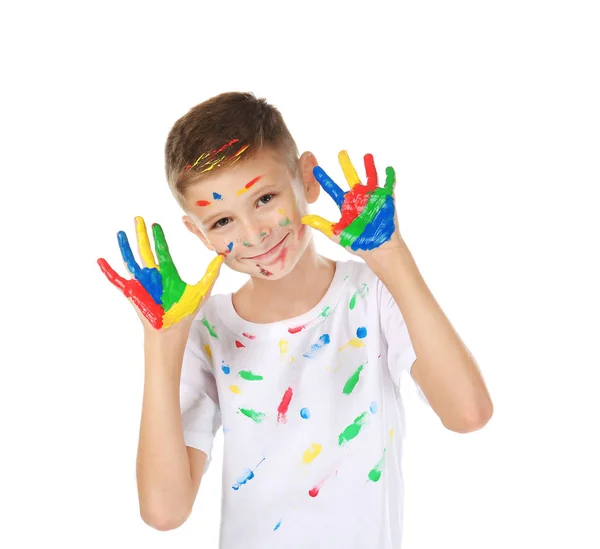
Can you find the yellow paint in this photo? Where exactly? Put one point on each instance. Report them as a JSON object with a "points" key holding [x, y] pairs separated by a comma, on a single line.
{"points": [[144, 244], [242, 191], [283, 346], [235, 389], [348, 169], [240, 151], [192, 295], [208, 351], [319, 223], [312, 453], [280, 211], [354, 342], [391, 433]]}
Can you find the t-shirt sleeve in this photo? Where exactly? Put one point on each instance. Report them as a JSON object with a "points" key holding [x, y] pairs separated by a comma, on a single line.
{"points": [[400, 352], [199, 399]]}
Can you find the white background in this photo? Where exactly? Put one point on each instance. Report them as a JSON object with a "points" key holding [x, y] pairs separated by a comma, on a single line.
{"points": [[489, 111]]}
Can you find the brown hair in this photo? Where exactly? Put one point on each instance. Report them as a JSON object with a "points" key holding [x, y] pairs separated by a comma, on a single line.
{"points": [[220, 131]]}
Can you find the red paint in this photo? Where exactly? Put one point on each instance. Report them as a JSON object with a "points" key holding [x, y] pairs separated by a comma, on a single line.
{"points": [[301, 232], [264, 272], [356, 199], [371, 172], [203, 202], [250, 183], [249, 336], [138, 294], [239, 344], [225, 146], [284, 406], [296, 329], [314, 492]]}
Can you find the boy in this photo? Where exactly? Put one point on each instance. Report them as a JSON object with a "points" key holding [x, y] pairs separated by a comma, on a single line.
{"points": [[302, 364]]}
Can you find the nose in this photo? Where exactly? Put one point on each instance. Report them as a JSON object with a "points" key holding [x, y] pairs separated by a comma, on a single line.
{"points": [[253, 235]]}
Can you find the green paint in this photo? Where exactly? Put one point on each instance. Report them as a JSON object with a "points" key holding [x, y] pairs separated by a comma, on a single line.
{"points": [[353, 380], [248, 375], [326, 311], [390, 179], [246, 243], [173, 286], [352, 430], [357, 227], [255, 416], [362, 292], [375, 473], [285, 222], [263, 234], [211, 329]]}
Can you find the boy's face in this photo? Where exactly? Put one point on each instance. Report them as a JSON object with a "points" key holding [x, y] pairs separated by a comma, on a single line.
{"points": [[252, 211]]}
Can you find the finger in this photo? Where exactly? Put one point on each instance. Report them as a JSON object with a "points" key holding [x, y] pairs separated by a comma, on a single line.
{"points": [[114, 278], [348, 169], [144, 244], [319, 223], [390, 180], [127, 254], [137, 293], [193, 295], [173, 286], [329, 186], [370, 171]]}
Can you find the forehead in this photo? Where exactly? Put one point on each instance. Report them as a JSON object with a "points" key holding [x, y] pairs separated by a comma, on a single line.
{"points": [[265, 167]]}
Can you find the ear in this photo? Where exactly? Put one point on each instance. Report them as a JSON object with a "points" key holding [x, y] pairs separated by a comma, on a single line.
{"points": [[306, 164], [191, 226]]}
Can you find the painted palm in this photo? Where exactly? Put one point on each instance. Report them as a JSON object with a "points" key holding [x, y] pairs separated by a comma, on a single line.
{"points": [[157, 289], [367, 210]]}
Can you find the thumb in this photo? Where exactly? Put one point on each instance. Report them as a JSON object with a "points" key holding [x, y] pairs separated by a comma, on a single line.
{"points": [[319, 223]]}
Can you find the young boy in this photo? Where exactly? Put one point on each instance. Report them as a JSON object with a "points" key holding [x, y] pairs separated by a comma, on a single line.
{"points": [[302, 364]]}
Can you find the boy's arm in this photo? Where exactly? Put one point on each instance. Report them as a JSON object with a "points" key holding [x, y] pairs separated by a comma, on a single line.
{"points": [[168, 473], [444, 369]]}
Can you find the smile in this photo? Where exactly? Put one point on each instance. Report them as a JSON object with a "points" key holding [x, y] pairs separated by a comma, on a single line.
{"points": [[271, 253]]}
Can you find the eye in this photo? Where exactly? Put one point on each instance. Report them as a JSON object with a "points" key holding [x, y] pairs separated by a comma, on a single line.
{"points": [[266, 198], [220, 223]]}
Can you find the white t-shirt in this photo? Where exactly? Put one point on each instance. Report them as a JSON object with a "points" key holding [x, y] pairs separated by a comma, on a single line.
{"points": [[312, 417]]}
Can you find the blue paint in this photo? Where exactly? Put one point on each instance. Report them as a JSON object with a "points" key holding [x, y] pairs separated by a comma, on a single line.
{"points": [[150, 279], [373, 407], [277, 525], [379, 230], [304, 413], [248, 475], [361, 332], [329, 186], [226, 369], [217, 196], [230, 246], [324, 340]]}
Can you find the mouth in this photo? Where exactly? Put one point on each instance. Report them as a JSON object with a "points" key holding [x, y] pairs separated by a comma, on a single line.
{"points": [[271, 253]]}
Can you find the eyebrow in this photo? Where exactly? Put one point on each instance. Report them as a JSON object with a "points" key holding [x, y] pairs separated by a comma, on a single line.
{"points": [[263, 189]]}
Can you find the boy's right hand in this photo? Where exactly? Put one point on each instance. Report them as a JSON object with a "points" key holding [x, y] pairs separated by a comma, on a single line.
{"points": [[157, 291]]}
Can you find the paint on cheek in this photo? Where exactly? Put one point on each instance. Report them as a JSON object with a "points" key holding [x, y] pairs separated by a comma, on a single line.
{"points": [[264, 272], [301, 232], [247, 186], [217, 196], [283, 222], [203, 203]]}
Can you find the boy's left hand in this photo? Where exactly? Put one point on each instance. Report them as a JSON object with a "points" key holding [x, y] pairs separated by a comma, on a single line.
{"points": [[368, 226]]}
